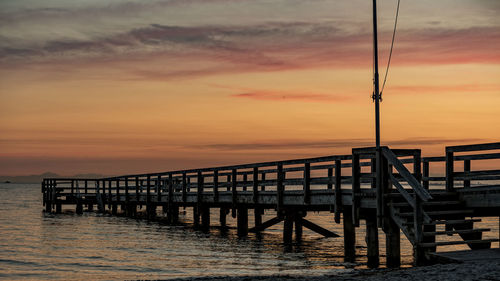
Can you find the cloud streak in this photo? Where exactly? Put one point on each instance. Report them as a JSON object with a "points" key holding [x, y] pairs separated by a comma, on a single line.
{"points": [[263, 47]]}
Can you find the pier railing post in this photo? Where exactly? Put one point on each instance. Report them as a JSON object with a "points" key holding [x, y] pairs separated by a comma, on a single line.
{"points": [[216, 186], [110, 198], [245, 178], [234, 184], [466, 171], [158, 189], [425, 178], [449, 170], [279, 187], [184, 187], [255, 185], [356, 186], [307, 183], [172, 211], [338, 207]]}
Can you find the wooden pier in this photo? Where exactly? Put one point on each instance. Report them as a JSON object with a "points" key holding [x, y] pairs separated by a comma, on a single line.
{"points": [[344, 185]]}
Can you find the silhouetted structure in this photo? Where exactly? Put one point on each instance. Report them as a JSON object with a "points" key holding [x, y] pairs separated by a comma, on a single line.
{"points": [[343, 184]]}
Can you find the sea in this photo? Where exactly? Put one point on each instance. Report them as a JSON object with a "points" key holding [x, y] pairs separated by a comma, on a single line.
{"points": [[41, 246]]}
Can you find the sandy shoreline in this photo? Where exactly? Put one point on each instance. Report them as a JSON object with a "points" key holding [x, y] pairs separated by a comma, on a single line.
{"points": [[483, 270]]}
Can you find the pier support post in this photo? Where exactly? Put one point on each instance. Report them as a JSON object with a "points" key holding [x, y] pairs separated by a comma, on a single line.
{"points": [[196, 217], [349, 236], [131, 209], [288, 228], [114, 209], [48, 206], [58, 208], [151, 211], [258, 216], [298, 228], [242, 219], [222, 217], [392, 244], [174, 210], [90, 207], [205, 218], [372, 241], [79, 208]]}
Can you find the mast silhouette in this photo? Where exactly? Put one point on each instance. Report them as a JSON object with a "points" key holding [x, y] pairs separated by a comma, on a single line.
{"points": [[376, 99]]}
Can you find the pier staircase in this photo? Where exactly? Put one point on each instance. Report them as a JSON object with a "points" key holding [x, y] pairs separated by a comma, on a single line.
{"points": [[444, 215], [424, 218]]}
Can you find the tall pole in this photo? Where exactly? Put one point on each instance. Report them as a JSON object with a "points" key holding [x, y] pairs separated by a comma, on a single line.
{"points": [[376, 98], [376, 94]]}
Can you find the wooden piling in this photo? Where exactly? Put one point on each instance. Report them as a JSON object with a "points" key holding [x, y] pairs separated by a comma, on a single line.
{"points": [[349, 236], [242, 221], [372, 241], [196, 217], [298, 228], [205, 218], [257, 216], [79, 207], [288, 228], [222, 217], [58, 208], [392, 244]]}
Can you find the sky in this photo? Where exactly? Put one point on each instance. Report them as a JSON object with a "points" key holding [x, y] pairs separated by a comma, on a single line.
{"points": [[116, 87]]}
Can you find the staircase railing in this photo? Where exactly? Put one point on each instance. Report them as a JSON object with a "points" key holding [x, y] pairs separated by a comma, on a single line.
{"points": [[420, 194]]}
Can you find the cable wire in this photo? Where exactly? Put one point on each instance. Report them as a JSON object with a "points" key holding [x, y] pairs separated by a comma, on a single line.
{"points": [[390, 52]]}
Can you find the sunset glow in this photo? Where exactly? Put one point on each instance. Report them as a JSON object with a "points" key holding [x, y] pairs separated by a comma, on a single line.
{"points": [[135, 86]]}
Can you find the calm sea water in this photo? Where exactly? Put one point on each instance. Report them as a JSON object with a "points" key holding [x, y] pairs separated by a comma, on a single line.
{"points": [[36, 245]]}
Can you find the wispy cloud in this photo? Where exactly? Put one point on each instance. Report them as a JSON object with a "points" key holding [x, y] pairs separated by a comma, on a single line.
{"points": [[291, 96], [191, 51]]}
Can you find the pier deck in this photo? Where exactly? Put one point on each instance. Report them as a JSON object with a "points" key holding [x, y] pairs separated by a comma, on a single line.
{"points": [[344, 185]]}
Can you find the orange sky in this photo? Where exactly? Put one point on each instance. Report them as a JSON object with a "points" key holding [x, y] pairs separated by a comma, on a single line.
{"points": [[148, 86]]}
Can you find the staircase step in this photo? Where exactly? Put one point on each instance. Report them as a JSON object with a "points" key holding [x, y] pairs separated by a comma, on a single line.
{"points": [[464, 231], [410, 223], [440, 213], [447, 243], [431, 203]]}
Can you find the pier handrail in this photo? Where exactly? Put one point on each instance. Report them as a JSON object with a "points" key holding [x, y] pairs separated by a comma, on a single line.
{"points": [[420, 193], [407, 175], [467, 175]]}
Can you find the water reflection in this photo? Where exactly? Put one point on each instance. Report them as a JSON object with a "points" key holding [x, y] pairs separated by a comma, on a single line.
{"points": [[38, 245]]}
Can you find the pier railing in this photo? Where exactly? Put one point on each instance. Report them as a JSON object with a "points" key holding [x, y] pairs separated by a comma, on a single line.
{"points": [[486, 179], [304, 176]]}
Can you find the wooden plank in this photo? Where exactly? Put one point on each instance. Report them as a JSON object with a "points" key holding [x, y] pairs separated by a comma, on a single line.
{"points": [[473, 147], [266, 224], [318, 229]]}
